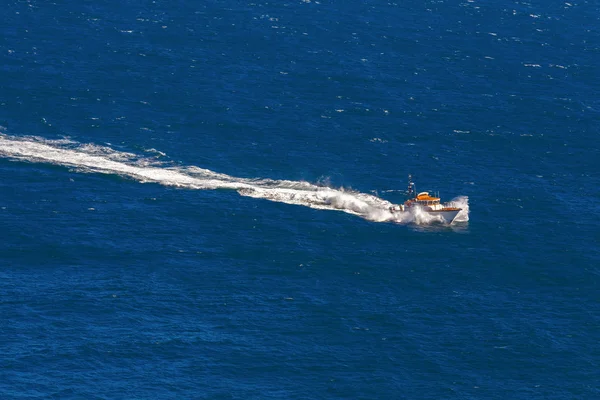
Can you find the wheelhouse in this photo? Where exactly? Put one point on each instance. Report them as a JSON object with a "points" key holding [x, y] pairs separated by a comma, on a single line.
{"points": [[425, 199]]}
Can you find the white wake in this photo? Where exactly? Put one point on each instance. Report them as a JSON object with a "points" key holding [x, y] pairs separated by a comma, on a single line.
{"points": [[102, 159]]}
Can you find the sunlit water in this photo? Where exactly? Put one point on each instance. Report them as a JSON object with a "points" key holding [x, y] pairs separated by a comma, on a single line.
{"points": [[173, 174]]}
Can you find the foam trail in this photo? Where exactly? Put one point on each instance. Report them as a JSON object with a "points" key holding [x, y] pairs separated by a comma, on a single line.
{"points": [[101, 159]]}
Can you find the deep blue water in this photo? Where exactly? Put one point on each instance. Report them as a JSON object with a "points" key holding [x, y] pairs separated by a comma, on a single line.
{"points": [[194, 200]]}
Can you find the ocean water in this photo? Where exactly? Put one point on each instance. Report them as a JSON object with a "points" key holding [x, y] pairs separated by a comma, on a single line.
{"points": [[195, 200]]}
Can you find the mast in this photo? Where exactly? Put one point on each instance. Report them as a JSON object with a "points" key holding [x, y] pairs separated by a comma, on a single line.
{"points": [[411, 191]]}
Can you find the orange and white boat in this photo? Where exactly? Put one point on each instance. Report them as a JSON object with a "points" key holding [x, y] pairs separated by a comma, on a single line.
{"points": [[424, 202]]}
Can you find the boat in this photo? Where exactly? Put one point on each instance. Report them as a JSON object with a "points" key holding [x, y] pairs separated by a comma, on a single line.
{"points": [[427, 203]]}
